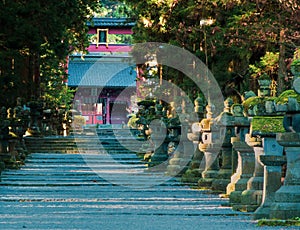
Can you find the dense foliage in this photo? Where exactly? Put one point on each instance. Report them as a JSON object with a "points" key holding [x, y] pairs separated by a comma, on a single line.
{"points": [[35, 39], [111, 8], [227, 35], [238, 40]]}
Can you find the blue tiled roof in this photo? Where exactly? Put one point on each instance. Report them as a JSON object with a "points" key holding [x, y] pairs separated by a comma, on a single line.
{"points": [[95, 72], [111, 22]]}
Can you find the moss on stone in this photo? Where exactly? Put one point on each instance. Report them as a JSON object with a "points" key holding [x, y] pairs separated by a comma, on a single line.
{"points": [[252, 101], [276, 222], [284, 96], [262, 125]]}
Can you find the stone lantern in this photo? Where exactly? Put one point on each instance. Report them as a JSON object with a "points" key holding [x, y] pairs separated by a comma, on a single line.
{"points": [[8, 140], [4, 130], [199, 107], [183, 153], [264, 85], [144, 116], [160, 140], [262, 139], [272, 160], [225, 124], [251, 197], [210, 145], [19, 120], [35, 114], [266, 121], [196, 167], [266, 126], [243, 160], [286, 203], [46, 122], [174, 128]]}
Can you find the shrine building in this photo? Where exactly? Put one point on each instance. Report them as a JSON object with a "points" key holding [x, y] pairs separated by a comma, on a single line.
{"points": [[105, 78]]}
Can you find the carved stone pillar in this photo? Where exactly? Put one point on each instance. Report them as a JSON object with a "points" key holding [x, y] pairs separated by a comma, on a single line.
{"points": [[272, 161], [287, 198], [244, 171], [252, 197], [211, 152]]}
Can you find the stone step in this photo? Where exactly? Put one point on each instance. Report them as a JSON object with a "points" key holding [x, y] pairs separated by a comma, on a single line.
{"points": [[160, 190], [75, 146], [78, 144], [161, 206], [67, 176], [43, 169], [47, 156], [58, 181], [116, 131], [170, 205], [73, 143], [91, 150], [77, 150], [82, 143], [82, 139], [75, 161]]}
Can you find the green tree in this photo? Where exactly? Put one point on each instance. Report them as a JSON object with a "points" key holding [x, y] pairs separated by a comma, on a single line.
{"points": [[227, 35], [112, 8], [35, 40], [266, 26]]}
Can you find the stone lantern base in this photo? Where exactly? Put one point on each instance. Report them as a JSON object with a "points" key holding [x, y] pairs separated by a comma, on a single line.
{"points": [[287, 198], [211, 153]]}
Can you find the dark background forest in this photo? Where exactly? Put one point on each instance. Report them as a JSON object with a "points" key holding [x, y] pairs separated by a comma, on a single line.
{"points": [[240, 41]]}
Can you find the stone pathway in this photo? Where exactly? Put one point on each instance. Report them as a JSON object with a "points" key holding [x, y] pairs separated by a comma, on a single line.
{"points": [[76, 191]]}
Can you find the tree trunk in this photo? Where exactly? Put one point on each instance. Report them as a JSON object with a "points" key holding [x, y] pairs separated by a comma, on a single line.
{"points": [[281, 65], [35, 73]]}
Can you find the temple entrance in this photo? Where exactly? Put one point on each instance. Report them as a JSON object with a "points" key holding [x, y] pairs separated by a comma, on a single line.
{"points": [[118, 112]]}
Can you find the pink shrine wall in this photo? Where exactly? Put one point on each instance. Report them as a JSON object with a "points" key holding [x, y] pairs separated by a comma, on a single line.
{"points": [[106, 113], [112, 48], [113, 31]]}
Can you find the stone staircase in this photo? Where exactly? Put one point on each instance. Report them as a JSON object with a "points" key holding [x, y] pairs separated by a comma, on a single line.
{"points": [[108, 152], [103, 191], [109, 140], [107, 189], [71, 170]]}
